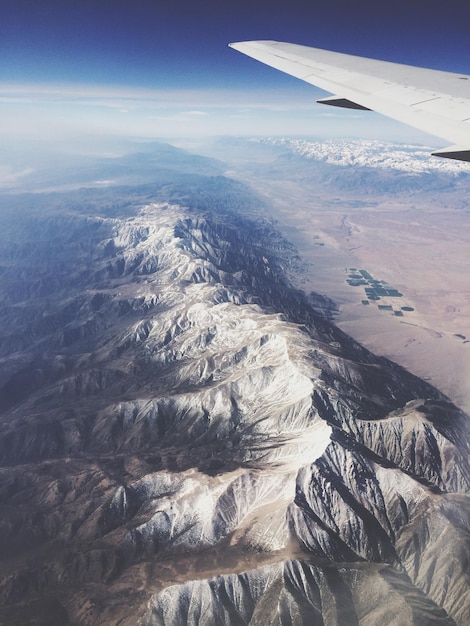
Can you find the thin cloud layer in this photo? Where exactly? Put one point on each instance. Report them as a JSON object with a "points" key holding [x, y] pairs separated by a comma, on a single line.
{"points": [[55, 111]]}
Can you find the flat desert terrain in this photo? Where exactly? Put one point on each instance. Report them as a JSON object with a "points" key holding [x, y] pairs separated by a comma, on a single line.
{"points": [[417, 243]]}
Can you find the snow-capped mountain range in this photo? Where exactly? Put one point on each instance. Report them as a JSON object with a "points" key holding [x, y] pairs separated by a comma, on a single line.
{"points": [[409, 158]]}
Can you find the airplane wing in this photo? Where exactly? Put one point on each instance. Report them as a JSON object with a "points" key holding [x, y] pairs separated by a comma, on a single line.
{"points": [[432, 100]]}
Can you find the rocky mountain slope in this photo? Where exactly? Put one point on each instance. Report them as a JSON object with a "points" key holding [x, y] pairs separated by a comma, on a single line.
{"points": [[186, 439]]}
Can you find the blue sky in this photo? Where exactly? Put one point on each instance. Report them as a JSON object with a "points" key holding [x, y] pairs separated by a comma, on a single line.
{"points": [[162, 68]]}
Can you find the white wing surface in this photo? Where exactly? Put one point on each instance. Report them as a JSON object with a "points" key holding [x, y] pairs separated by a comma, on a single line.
{"points": [[431, 100]]}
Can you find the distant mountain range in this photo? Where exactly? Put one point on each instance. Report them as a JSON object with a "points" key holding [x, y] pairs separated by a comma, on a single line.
{"points": [[363, 168], [376, 154]]}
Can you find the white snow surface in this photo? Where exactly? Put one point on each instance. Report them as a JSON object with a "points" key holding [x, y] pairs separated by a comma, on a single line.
{"points": [[410, 158]]}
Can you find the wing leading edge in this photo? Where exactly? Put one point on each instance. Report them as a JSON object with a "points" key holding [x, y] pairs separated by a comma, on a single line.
{"points": [[434, 101]]}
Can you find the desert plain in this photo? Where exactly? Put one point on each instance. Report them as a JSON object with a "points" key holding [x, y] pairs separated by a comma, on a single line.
{"points": [[413, 236]]}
